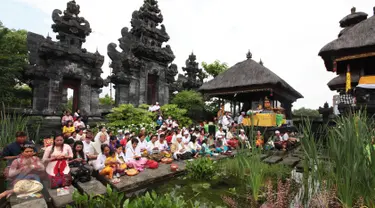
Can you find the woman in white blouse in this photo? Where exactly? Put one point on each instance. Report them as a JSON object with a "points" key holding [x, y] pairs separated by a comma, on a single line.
{"points": [[133, 155], [193, 146]]}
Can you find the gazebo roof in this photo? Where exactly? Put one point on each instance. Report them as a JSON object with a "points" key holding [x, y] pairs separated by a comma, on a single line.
{"points": [[339, 82], [246, 76]]}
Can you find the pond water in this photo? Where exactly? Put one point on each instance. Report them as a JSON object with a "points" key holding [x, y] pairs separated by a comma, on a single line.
{"points": [[208, 193]]}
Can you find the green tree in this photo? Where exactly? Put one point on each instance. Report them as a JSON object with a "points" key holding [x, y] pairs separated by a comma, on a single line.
{"points": [[306, 112], [192, 101], [215, 68], [188, 99], [13, 57], [106, 100], [177, 113]]}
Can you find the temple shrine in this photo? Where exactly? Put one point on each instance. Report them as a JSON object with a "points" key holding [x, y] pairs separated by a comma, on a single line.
{"points": [[55, 66], [193, 77], [142, 71], [352, 57], [254, 88]]}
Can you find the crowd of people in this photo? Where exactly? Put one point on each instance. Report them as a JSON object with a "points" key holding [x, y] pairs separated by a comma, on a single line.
{"points": [[112, 155]]}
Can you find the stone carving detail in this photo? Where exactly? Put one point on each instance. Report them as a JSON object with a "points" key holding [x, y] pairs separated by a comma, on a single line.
{"points": [[142, 55], [64, 62], [193, 74]]}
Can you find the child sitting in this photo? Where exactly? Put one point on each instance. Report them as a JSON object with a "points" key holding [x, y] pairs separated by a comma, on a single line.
{"points": [[111, 165], [120, 156]]}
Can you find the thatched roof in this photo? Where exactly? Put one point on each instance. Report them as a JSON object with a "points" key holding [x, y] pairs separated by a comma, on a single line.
{"points": [[355, 36], [248, 73], [339, 82]]}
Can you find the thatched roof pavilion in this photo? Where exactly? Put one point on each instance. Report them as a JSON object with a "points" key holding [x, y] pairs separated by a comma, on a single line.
{"points": [[249, 81]]}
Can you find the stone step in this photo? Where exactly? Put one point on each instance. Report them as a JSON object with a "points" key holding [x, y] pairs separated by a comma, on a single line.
{"points": [[147, 177], [59, 201], [273, 159], [28, 202], [92, 187], [290, 161]]}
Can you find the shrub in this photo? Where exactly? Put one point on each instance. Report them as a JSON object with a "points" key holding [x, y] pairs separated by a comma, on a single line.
{"points": [[176, 113], [202, 168], [128, 115]]}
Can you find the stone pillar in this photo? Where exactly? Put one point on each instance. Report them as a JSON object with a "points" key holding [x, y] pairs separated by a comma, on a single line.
{"points": [[64, 98], [95, 101], [161, 91], [288, 109], [84, 103], [122, 94], [166, 94], [134, 92], [54, 98], [142, 89], [40, 95]]}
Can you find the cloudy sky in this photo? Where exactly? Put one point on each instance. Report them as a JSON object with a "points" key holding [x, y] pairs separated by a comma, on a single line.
{"points": [[287, 35]]}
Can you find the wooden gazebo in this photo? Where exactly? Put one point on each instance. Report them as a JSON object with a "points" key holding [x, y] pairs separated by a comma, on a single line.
{"points": [[249, 82]]}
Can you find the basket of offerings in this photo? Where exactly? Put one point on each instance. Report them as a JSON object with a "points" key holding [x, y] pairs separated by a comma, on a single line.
{"points": [[167, 160], [174, 167], [131, 172]]}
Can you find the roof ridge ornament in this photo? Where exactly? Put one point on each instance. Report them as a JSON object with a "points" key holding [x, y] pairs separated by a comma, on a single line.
{"points": [[353, 10], [261, 62], [249, 55]]}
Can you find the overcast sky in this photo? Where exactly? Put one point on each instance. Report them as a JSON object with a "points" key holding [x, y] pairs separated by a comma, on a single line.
{"points": [[287, 35]]}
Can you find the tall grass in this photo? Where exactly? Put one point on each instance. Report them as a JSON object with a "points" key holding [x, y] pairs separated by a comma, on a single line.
{"points": [[349, 169], [9, 125]]}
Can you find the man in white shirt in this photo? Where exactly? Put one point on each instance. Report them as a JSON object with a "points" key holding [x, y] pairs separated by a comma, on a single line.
{"points": [[240, 118]]}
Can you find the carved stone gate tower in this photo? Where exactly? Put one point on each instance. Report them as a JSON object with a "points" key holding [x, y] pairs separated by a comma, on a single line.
{"points": [[142, 72], [55, 66]]}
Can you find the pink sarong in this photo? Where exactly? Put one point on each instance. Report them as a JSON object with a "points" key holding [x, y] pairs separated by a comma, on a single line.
{"points": [[137, 164]]}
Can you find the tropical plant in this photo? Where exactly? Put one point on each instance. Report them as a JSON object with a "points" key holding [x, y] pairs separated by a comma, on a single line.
{"points": [[350, 166], [106, 100], [113, 199], [177, 113], [201, 169], [162, 201], [10, 124], [127, 114]]}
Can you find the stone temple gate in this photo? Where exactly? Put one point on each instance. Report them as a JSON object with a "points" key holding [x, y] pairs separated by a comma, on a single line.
{"points": [[142, 71], [55, 66]]}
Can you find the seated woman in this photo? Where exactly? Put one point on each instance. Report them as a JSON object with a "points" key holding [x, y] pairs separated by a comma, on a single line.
{"points": [[194, 147], [205, 151], [133, 154], [106, 162], [112, 143], [68, 128], [27, 166], [221, 146], [79, 157], [178, 149], [211, 141], [56, 157]]}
